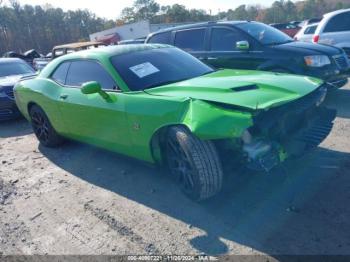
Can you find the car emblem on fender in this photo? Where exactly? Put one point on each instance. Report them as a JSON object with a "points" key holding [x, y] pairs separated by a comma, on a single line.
{"points": [[136, 126]]}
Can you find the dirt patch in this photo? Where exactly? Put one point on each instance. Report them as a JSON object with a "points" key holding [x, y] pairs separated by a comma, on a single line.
{"points": [[119, 227], [6, 191]]}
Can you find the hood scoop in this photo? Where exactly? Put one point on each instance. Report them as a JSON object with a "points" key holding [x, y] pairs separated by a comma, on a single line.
{"points": [[245, 88]]}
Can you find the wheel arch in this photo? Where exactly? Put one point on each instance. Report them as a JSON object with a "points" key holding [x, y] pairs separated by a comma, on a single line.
{"points": [[29, 106], [157, 140]]}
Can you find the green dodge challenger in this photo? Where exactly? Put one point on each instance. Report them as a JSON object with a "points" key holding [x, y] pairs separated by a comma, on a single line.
{"points": [[161, 105]]}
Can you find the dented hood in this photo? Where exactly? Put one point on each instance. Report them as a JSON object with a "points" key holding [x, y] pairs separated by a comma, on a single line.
{"points": [[244, 88]]}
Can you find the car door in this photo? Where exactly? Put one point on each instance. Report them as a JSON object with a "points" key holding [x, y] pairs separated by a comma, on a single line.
{"points": [[91, 118], [192, 41], [223, 52]]}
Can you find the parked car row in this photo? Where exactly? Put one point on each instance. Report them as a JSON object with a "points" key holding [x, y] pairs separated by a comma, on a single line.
{"points": [[333, 29], [27, 56], [11, 71]]}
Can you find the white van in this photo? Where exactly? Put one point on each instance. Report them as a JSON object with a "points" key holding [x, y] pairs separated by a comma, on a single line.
{"points": [[334, 29]]}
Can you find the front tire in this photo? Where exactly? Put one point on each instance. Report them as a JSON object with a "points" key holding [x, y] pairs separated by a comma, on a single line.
{"points": [[194, 164], [43, 129]]}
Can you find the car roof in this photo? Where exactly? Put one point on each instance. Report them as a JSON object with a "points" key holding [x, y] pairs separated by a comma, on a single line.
{"points": [[11, 59], [139, 40], [110, 51], [78, 45], [336, 12], [188, 26], [100, 54]]}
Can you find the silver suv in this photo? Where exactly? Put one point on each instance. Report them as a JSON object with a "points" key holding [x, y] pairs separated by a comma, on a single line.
{"points": [[334, 29]]}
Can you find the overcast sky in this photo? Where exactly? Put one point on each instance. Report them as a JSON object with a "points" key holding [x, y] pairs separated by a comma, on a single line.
{"points": [[111, 9]]}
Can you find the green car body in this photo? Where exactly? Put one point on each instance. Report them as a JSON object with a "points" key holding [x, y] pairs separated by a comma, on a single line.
{"points": [[219, 106]]}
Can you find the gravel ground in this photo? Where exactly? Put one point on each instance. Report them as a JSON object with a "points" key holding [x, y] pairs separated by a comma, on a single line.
{"points": [[79, 199]]}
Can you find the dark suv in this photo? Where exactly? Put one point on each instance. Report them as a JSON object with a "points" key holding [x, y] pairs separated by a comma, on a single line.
{"points": [[257, 46]]}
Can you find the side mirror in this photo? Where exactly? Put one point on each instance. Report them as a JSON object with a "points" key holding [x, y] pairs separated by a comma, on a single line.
{"points": [[242, 45], [93, 87]]}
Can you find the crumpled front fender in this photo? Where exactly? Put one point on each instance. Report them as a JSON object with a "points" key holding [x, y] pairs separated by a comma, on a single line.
{"points": [[210, 122]]}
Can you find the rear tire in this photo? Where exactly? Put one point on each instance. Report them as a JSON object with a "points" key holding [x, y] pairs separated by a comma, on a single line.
{"points": [[43, 129], [194, 164]]}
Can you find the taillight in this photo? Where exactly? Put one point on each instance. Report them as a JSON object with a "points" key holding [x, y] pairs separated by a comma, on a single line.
{"points": [[316, 38]]}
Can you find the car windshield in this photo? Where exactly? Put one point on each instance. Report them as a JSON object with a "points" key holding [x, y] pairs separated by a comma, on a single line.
{"points": [[266, 35], [151, 68], [15, 68]]}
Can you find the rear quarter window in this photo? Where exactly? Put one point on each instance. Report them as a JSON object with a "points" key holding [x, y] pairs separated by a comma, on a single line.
{"points": [[60, 73], [161, 38]]}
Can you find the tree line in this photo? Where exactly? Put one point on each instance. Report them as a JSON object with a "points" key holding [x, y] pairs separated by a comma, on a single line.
{"points": [[279, 12], [41, 27]]}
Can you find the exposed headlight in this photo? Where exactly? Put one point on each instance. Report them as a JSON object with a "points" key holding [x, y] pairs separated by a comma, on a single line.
{"points": [[246, 137], [317, 60]]}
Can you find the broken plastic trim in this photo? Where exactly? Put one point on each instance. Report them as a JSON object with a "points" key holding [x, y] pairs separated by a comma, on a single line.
{"points": [[261, 155]]}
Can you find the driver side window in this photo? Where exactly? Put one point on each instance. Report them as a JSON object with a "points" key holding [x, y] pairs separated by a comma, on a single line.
{"points": [[84, 71], [224, 39]]}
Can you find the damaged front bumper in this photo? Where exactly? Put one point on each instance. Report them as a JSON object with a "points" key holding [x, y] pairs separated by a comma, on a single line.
{"points": [[318, 128], [265, 154], [262, 155]]}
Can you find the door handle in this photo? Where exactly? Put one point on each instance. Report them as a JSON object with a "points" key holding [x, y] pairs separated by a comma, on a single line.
{"points": [[212, 58], [63, 96]]}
